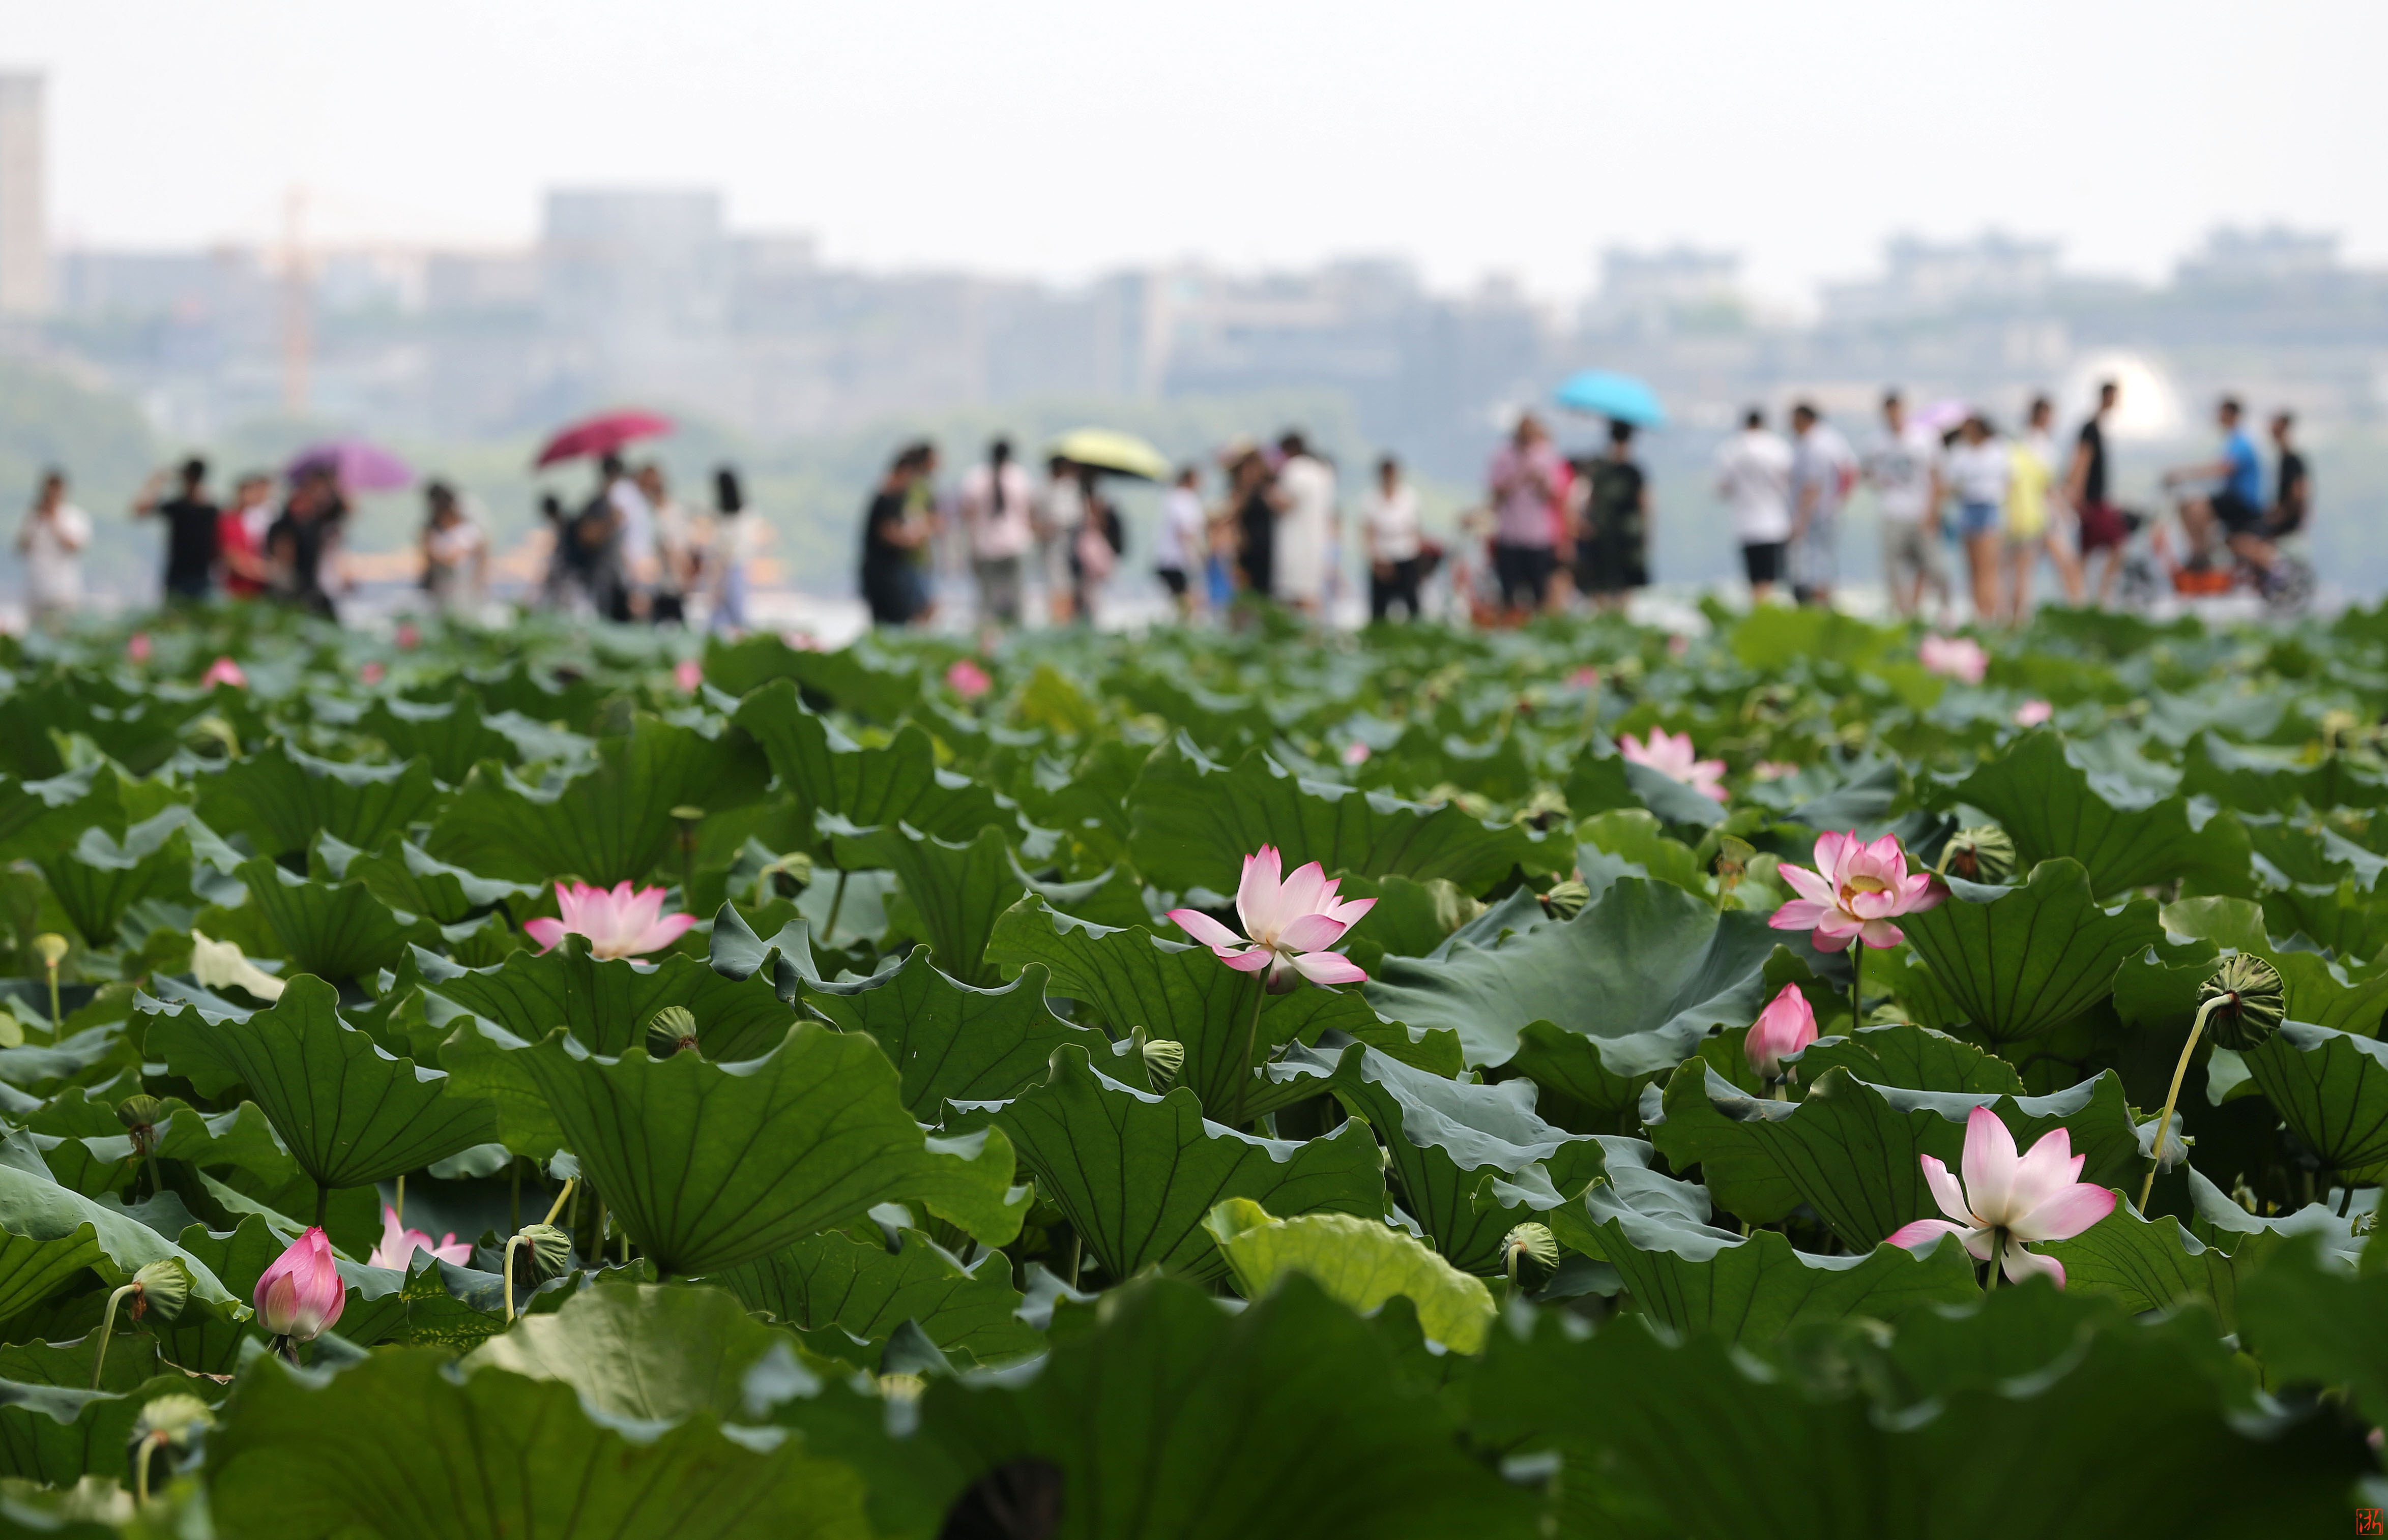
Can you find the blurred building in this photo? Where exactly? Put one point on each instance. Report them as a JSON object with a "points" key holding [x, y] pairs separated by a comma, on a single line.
{"points": [[24, 230]]}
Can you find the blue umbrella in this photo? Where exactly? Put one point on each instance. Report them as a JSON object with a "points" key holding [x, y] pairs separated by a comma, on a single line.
{"points": [[1618, 398]]}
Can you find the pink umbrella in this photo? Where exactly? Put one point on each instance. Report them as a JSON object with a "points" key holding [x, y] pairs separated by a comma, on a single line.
{"points": [[1940, 416], [602, 435], [355, 464]]}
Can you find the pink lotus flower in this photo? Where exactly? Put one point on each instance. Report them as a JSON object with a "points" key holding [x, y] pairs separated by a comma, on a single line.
{"points": [[2031, 714], [1356, 753], [399, 1244], [687, 673], [1673, 757], [373, 673], [1787, 1025], [301, 1296], [619, 923], [968, 680], [410, 636], [137, 647], [223, 671], [2009, 1200], [1772, 770], [1291, 925], [1954, 657], [1586, 677], [1855, 890]]}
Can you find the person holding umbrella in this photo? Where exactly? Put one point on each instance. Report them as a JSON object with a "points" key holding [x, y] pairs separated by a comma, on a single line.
{"points": [[1612, 551]]}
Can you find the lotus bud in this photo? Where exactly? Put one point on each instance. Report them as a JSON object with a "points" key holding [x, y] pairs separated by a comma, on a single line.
{"points": [[1731, 860], [671, 1030], [550, 1249], [2245, 1002], [163, 1286], [1566, 900], [1163, 1061], [301, 1296], [139, 1115], [1984, 854], [1527, 1243], [52, 949]]}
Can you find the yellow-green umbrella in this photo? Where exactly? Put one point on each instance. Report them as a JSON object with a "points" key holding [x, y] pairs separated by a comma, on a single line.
{"points": [[1108, 450]]}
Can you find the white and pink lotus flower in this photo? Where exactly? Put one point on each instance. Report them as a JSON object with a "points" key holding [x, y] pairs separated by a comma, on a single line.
{"points": [[1289, 924], [1671, 755], [1959, 658], [2009, 1200], [399, 1244], [1855, 891], [620, 922]]}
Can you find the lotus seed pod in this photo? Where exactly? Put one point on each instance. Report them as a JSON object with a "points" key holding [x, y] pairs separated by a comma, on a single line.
{"points": [[177, 1416], [671, 1030], [139, 1115], [1984, 854], [52, 948], [163, 1286], [548, 1249], [1566, 900], [1528, 1242], [2247, 1002]]}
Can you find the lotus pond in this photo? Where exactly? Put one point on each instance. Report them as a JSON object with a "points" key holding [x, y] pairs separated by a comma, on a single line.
{"points": [[1804, 1079]]}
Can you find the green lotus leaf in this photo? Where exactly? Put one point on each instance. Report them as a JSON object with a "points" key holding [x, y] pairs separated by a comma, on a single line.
{"points": [[66, 1225], [333, 930], [605, 1002], [878, 685], [1693, 1277], [2316, 989], [2018, 962], [2147, 1264], [1136, 1173], [1360, 1263], [283, 798], [2124, 838], [94, 1153], [866, 1290], [2331, 1088], [56, 1434], [1195, 820], [348, 1112], [1849, 1150], [95, 877], [397, 1446], [405, 876], [450, 737], [2316, 1321], [957, 891], [899, 783], [609, 824], [640, 1351], [950, 1042], [709, 1164], [2256, 779], [1912, 1057]]}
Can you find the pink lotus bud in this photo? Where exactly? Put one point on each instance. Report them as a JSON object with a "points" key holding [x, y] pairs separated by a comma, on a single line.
{"points": [[1787, 1025], [138, 647], [301, 1296], [1355, 754], [1586, 677], [687, 673], [372, 673], [968, 680], [223, 671], [2031, 714], [410, 636]]}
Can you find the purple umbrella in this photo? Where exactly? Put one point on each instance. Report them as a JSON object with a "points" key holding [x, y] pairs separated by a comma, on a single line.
{"points": [[355, 464]]}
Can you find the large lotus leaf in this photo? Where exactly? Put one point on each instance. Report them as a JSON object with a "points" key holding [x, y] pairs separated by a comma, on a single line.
{"points": [[1287, 1422], [1442, 1137], [2018, 962], [348, 1112], [1195, 821], [94, 1151], [899, 783], [451, 736], [863, 1288], [957, 891], [333, 930], [2123, 838], [2314, 1320], [863, 679], [1850, 1151], [710, 1165], [2331, 1088], [1695, 1276], [2037, 1413], [2272, 780], [1135, 1173], [396, 1446], [1629, 986], [55, 1436], [610, 823], [2147, 1264], [607, 1002], [951, 1041], [36, 813], [1360, 1263], [2316, 989], [283, 798], [405, 876], [1912, 1057], [785, 962], [36, 1208], [1130, 978], [97, 877], [643, 1351]]}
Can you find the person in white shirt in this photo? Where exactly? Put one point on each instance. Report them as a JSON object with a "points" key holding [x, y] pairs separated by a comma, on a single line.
{"points": [[996, 507], [1905, 474], [1822, 470], [732, 544], [51, 541], [1184, 542], [1754, 478], [634, 524], [672, 528], [455, 553], [1978, 468], [1061, 513], [1305, 526], [1388, 522]]}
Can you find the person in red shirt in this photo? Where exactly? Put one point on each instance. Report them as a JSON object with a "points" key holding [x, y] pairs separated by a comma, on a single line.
{"points": [[240, 536]]}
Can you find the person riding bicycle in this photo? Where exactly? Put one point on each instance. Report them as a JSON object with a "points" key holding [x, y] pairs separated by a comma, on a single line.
{"points": [[2293, 501], [2235, 504]]}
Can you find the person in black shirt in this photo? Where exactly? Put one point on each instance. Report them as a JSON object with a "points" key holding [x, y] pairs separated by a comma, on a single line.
{"points": [[1613, 543], [191, 519], [301, 543], [890, 535], [2103, 527], [1255, 498], [2295, 499]]}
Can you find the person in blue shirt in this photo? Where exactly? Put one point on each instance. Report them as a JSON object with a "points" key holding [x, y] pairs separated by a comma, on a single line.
{"points": [[2234, 504]]}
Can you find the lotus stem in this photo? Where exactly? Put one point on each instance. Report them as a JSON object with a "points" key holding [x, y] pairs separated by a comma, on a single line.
{"points": [[513, 1215], [323, 1204], [1857, 972], [515, 1240], [1998, 1253], [558, 1206], [107, 1330], [56, 1021], [2164, 1119], [836, 902], [141, 1467], [1251, 1042], [512, 1242], [401, 1200]]}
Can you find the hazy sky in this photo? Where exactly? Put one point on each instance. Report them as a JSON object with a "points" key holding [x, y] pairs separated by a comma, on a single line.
{"points": [[1062, 137]]}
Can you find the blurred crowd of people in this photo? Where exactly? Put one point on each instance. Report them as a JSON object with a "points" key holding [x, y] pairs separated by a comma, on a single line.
{"points": [[634, 551]]}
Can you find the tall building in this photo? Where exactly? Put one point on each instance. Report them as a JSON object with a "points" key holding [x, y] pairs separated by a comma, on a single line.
{"points": [[24, 235]]}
